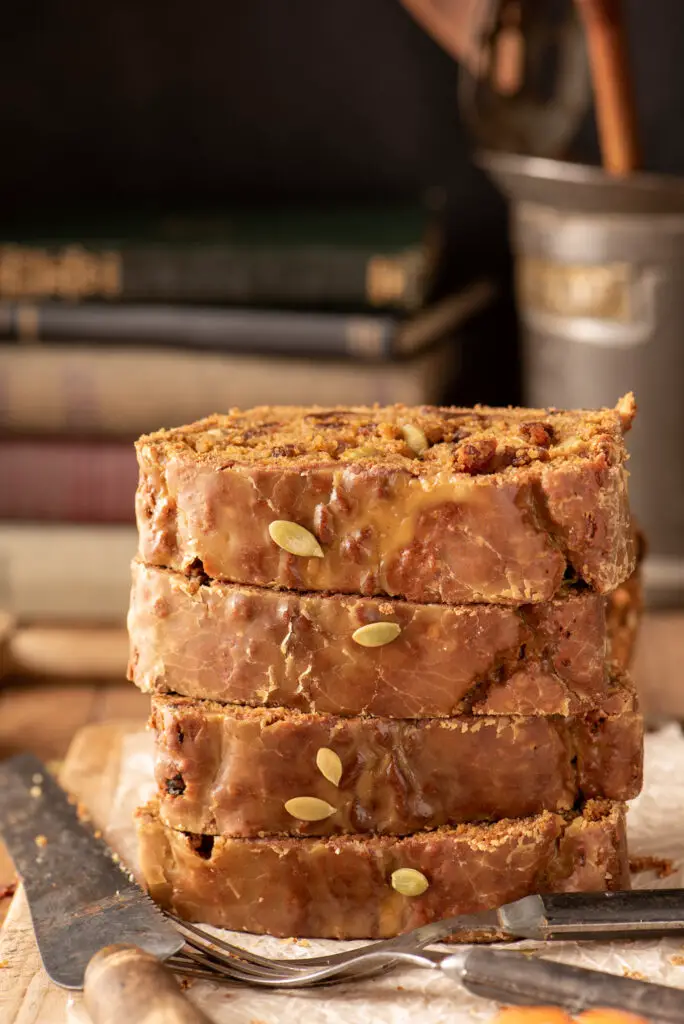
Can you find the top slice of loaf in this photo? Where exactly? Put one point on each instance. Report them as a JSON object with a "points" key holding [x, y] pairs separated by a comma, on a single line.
{"points": [[470, 441], [433, 504]]}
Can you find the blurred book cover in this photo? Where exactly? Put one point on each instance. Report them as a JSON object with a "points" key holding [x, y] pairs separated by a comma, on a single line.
{"points": [[381, 257]]}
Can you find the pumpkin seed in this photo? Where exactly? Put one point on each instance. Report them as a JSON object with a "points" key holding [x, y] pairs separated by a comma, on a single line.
{"points": [[309, 808], [295, 539], [376, 634], [409, 881], [415, 438], [366, 451], [329, 765]]}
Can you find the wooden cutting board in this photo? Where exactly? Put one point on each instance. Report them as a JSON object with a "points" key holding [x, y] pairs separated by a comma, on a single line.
{"points": [[90, 771]]}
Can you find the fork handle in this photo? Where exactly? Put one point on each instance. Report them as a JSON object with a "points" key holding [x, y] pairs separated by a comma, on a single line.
{"points": [[638, 913], [515, 978]]}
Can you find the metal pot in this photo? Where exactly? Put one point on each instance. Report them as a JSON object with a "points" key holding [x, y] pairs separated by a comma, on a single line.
{"points": [[600, 289]]}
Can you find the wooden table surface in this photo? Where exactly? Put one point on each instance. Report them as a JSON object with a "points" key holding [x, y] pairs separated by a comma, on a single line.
{"points": [[42, 716]]}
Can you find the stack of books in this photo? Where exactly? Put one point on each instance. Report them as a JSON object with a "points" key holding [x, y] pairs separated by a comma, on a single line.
{"points": [[108, 330]]}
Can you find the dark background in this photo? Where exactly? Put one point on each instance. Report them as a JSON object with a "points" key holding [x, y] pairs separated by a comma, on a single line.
{"points": [[264, 100]]}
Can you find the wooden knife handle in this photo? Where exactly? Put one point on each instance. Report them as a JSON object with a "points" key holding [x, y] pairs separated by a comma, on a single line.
{"points": [[125, 985]]}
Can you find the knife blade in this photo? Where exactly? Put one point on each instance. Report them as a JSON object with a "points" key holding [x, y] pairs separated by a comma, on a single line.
{"points": [[81, 899]]}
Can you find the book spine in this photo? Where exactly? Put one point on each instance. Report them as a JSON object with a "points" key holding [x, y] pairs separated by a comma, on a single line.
{"points": [[121, 392], [62, 572], [226, 330], [249, 275], [64, 480], [68, 651]]}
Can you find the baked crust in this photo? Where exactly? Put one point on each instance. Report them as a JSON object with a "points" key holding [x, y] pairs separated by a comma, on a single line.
{"points": [[625, 609], [498, 508], [340, 888], [251, 645]]}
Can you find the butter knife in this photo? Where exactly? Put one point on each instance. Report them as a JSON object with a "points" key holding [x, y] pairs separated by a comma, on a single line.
{"points": [[95, 927]]}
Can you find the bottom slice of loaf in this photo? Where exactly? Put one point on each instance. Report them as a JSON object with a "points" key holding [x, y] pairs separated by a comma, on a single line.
{"points": [[340, 888]]}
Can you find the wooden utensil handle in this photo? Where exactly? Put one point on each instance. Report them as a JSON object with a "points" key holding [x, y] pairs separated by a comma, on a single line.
{"points": [[612, 80], [125, 985], [515, 978]]}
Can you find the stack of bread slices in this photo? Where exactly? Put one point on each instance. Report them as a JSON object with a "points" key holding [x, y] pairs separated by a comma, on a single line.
{"points": [[382, 683]]}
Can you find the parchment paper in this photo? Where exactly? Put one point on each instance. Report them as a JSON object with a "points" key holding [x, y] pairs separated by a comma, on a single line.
{"points": [[655, 827]]}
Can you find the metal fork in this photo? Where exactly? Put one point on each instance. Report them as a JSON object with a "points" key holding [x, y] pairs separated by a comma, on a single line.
{"points": [[502, 975], [413, 941], [211, 957]]}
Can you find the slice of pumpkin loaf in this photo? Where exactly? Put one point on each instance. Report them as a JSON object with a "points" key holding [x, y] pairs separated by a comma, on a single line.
{"points": [[358, 887], [245, 771], [327, 652], [432, 504]]}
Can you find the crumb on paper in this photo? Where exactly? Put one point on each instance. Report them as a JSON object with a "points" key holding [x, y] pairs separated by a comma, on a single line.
{"points": [[98, 833], [4, 964], [637, 975], [288, 942], [400, 988], [257, 1020], [35, 791], [304, 942], [41, 840], [677, 960], [663, 866], [82, 811], [187, 983]]}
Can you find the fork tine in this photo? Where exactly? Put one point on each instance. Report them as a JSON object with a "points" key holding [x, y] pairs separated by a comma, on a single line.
{"points": [[201, 953], [232, 970], [254, 966], [227, 970], [416, 939], [366, 965], [235, 952], [181, 963], [180, 966], [270, 968], [188, 969]]}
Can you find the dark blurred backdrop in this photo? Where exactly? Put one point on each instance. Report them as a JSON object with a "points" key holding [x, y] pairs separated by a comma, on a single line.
{"points": [[298, 99], [271, 100]]}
